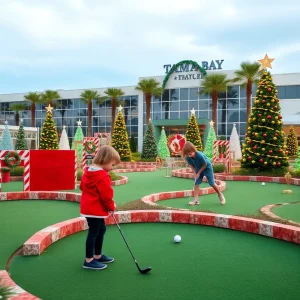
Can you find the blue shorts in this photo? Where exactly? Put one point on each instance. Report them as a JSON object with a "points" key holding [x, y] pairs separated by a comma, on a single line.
{"points": [[209, 174]]}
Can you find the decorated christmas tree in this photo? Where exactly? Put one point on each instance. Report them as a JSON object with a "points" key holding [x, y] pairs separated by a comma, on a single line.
{"points": [[292, 143], [78, 141], [163, 149], [6, 141], [297, 161], [192, 132], [264, 144], [209, 145], [49, 138], [21, 143], [149, 144], [64, 141], [120, 137], [235, 144]]}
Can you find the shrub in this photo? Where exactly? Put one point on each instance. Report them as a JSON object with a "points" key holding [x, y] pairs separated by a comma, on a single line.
{"points": [[295, 174], [219, 168], [276, 172], [79, 174], [112, 174], [17, 171]]}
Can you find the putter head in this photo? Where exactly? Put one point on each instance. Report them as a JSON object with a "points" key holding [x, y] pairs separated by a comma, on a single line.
{"points": [[145, 271]]}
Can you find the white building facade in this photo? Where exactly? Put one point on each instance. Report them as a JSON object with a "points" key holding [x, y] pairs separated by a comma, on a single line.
{"points": [[171, 110]]}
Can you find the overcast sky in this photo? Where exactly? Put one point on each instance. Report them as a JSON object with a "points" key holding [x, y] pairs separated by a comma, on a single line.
{"points": [[72, 44]]}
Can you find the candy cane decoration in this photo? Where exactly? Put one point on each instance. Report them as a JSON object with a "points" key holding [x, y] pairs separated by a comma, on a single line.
{"points": [[24, 155], [95, 140], [226, 159]]}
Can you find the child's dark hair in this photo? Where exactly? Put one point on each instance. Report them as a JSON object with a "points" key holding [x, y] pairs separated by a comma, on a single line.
{"points": [[106, 155], [188, 148]]}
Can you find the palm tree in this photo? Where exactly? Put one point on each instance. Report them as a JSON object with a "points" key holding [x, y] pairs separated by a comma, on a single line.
{"points": [[17, 107], [49, 96], [113, 96], [213, 84], [149, 87], [248, 74], [34, 98], [87, 97]]}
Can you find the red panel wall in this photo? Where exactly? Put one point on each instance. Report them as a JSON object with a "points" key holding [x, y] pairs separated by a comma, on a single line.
{"points": [[52, 170]]}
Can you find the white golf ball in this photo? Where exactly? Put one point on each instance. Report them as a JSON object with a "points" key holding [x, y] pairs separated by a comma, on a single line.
{"points": [[262, 183], [177, 238]]}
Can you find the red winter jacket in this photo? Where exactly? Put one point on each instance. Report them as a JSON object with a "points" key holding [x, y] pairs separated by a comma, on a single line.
{"points": [[97, 194]]}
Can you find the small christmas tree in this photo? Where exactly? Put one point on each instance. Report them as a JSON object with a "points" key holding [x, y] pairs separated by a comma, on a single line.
{"points": [[6, 141], [209, 145], [163, 149], [21, 143], [149, 144], [49, 137], [132, 143], [192, 132], [120, 137], [235, 144], [297, 161], [64, 140], [292, 143], [78, 141], [264, 144]]}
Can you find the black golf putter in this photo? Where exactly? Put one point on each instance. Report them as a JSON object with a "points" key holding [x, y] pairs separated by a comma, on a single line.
{"points": [[142, 271]]}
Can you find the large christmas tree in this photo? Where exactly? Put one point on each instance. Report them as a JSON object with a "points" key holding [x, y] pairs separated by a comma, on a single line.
{"points": [[6, 141], [64, 141], [163, 149], [49, 137], [192, 132], [264, 144], [120, 137], [78, 141], [149, 144], [235, 144], [21, 143], [292, 143], [209, 145]]}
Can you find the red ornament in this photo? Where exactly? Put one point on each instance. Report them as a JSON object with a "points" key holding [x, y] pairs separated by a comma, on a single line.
{"points": [[280, 117], [269, 89], [279, 164], [254, 147], [270, 151], [280, 150], [261, 160], [275, 107], [259, 115], [264, 134], [276, 134], [269, 117], [249, 157], [263, 101], [286, 152]]}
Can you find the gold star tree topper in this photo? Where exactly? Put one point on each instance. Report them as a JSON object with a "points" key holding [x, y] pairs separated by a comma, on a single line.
{"points": [[49, 108], [120, 108], [266, 62], [211, 123], [193, 111], [79, 122]]}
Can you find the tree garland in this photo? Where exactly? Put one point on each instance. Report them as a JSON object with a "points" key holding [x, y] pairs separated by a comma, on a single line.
{"points": [[175, 67], [90, 147], [12, 161]]}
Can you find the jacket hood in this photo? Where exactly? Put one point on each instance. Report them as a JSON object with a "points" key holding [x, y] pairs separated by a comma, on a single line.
{"points": [[91, 178]]}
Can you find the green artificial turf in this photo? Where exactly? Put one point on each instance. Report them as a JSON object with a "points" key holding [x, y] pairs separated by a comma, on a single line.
{"points": [[210, 263], [242, 197], [21, 219], [290, 212]]}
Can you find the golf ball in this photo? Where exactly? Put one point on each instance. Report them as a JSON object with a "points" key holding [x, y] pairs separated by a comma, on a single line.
{"points": [[177, 238], [262, 183]]}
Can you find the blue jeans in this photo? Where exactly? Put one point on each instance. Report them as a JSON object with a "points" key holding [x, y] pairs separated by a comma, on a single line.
{"points": [[209, 174], [94, 240]]}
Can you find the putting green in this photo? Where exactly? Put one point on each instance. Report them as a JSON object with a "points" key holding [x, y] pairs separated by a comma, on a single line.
{"points": [[209, 263], [242, 198], [290, 212]]}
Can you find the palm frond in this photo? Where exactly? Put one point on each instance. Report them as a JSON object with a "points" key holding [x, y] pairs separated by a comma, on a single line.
{"points": [[89, 95], [33, 97], [214, 82], [18, 107], [249, 71], [148, 86]]}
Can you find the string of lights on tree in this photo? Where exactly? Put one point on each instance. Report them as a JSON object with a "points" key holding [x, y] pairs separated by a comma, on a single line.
{"points": [[193, 133], [149, 149]]}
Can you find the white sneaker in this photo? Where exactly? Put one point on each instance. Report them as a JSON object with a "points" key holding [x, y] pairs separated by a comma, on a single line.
{"points": [[222, 199], [194, 202]]}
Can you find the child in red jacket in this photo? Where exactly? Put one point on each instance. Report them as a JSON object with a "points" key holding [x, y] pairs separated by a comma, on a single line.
{"points": [[96, 203]]}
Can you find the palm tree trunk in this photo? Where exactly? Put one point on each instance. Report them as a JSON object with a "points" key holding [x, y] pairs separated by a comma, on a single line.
{"points": [[214, 108], [248, 105], [32, 114], [90, 109], [113, 113], [17, 118], [148, 107]]}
